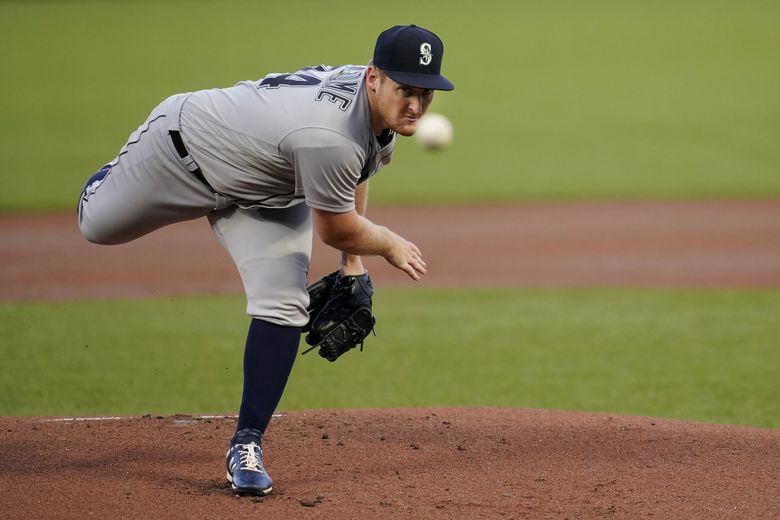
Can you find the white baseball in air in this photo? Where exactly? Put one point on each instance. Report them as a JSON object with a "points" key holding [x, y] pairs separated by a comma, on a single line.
{"points": [[434, 131]]}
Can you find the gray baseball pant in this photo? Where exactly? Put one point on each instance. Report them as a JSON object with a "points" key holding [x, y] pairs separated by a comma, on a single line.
{"points": [[148, 186]]}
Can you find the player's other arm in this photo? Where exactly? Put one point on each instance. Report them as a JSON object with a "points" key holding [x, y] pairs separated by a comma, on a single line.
{"points": [[353, 264], [354, 234], [329, 166]]}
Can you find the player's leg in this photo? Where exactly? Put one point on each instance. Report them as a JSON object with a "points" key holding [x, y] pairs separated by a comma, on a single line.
{"points": [[271, 249], [146, 187]]}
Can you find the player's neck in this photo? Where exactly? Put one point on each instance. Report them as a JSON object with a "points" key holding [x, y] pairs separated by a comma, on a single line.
{"points": [[377, 122]]}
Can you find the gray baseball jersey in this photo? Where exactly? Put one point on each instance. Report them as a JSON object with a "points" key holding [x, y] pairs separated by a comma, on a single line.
{"points": [[287, 137], [247, 157]]}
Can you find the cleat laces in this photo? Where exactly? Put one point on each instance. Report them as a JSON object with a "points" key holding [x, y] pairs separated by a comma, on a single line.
{"points": [[250, 457]]}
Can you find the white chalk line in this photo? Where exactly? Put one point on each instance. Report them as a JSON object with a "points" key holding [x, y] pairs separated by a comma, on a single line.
{"points": [[120, 418]]}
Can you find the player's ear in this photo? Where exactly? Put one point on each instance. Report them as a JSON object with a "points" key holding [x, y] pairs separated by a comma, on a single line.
{"points": [[373, 76]]}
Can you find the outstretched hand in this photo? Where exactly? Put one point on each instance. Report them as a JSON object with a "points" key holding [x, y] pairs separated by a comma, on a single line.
{"points": [[407, 257], [355, 235]]}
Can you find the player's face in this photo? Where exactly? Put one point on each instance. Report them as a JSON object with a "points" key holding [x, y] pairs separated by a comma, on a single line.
{"points": [[398, 107]]}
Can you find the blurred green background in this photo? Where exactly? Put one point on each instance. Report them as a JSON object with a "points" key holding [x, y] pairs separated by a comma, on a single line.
{"points": [[554, 100], [559, 100]]}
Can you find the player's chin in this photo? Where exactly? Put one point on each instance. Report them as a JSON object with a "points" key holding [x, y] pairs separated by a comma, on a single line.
{"points": [[406, 129]]}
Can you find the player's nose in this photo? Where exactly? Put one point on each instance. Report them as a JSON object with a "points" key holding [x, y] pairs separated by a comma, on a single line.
{"points": [[415, 105]]}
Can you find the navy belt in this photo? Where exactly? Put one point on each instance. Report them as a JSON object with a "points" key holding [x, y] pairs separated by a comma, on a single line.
{"points": [[183, 153]]}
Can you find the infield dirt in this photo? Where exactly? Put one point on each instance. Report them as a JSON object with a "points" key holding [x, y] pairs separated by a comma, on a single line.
{"points": [[670, 244], [411, 463], [416, 463]]}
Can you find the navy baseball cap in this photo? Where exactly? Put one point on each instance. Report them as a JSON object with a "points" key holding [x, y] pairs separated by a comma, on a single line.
{"points": [[411, 56]]}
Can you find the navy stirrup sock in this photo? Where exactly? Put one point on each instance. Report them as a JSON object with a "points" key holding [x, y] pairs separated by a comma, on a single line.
{"points": [[269, 355]]}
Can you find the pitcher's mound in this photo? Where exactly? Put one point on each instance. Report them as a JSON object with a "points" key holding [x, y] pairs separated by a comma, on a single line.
{"points": [[400, 463]]}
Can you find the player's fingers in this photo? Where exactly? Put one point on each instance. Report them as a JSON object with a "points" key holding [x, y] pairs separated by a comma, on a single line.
{"points": [[408, 269], [416, 254], [419, 266]]}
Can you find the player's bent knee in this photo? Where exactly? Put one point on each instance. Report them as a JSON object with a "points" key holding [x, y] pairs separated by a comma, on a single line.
{"points": [[286, 316], [94, 236], [97, 232], [93, 228], [289, 311], [275, 287]]}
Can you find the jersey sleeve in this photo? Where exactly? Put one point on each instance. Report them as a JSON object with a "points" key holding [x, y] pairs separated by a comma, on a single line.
{"points": [[327, 166]]}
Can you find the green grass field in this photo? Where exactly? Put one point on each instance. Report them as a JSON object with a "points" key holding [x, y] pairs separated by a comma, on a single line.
{"points": [[554, 100], [709, 355]]}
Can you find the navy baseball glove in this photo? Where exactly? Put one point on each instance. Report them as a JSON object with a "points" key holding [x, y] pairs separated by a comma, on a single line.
{"points": [[341, 320]]}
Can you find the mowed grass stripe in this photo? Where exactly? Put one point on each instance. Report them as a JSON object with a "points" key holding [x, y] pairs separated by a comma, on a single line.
{"points": [[709, 355]]}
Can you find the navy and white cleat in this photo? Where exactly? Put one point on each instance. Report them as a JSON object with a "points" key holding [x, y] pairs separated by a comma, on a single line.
{"points": [[244, 460]]}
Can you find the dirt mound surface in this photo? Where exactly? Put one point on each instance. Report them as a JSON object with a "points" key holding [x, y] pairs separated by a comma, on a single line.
{"points": [[413, 463]]}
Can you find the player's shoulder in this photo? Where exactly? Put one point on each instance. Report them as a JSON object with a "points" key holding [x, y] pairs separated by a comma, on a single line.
{"points": [[328, 97], [340, 76]]}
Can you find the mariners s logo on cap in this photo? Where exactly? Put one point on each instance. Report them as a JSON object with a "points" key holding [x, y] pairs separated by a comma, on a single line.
{"points": [[411, 56], [425, 54]]}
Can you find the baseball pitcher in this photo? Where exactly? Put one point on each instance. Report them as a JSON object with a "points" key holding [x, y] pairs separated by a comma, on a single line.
{"points": [[267, 162]]}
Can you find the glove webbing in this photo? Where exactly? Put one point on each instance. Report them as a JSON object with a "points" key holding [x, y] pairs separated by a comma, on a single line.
{"points": [[328, 347]]}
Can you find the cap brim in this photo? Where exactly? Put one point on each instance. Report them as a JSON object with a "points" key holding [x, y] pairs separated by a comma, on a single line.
{"points": [[418, 80]]}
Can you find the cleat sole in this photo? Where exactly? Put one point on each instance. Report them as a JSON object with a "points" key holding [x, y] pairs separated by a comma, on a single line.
{"points": [[247, 491]]}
